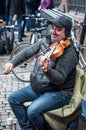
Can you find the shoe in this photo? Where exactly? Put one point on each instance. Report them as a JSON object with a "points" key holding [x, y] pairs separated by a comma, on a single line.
{"points": [[20, 40], [24, 35]]}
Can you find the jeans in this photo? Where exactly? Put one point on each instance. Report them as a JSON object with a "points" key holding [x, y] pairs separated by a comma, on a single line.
{"points": [[31, 118], [74, 124], [6, 17], [19, 24], [30, 10], [28, 21]]}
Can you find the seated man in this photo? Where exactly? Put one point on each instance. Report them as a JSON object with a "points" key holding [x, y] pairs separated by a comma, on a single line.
{"points": [[51, 77]]}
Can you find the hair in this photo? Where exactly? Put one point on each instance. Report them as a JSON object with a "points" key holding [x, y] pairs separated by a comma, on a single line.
{"points": [[68, 34]]}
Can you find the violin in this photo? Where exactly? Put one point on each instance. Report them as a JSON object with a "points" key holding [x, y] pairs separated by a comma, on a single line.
{"points": [[56, 50]]}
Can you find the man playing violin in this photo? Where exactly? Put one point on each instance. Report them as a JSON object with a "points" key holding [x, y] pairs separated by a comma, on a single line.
{"points": [[50, 79]]}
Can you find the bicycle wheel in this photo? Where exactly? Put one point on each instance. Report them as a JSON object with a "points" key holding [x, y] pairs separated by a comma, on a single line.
{"points": [[82, 56], [80, 46], [22, 72]]}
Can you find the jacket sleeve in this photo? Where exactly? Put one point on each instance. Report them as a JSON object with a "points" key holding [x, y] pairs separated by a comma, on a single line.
{"points": [[65, 64], [25, 54]]}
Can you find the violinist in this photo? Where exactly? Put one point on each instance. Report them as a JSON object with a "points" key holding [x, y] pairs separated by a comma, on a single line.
{"points": [[52, 80]]}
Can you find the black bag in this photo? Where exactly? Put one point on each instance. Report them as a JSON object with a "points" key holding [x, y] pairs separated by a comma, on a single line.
{"points": [[9, 42], [2, 47]]}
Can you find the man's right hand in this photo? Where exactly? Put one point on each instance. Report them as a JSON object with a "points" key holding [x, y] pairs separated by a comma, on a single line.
{"points": [[8, 68]]}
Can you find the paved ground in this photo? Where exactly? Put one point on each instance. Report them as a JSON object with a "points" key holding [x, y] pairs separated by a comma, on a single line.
{"points": [[8, 83]]}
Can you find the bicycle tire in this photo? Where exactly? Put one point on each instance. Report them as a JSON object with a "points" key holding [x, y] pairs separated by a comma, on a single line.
{"points": [[21, 71], [81, 48], [82, 56]]}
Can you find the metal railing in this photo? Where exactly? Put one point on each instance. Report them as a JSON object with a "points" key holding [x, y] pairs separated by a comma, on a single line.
{"points": [[56, 3], [78, 6]]}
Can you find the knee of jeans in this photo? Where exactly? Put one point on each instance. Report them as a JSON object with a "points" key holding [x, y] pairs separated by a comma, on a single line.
{"points": [[32, 113], [12, 99]]}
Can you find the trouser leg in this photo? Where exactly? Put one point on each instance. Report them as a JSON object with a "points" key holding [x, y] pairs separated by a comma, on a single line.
{"points": [[19, 22], [45, 102], [16, 100]]}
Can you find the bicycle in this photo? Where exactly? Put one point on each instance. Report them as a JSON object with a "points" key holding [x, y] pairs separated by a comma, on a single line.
{"points": [[80, 41], [36, 34], [38, 25], [7, 35]]}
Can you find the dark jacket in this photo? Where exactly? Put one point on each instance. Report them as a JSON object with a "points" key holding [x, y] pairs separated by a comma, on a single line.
{"points": [[2, 7], [17, 7], [60, 76], [34, 4], [7, 6]]}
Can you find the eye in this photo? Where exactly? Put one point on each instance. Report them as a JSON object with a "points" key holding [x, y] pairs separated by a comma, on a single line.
{"points": [[59, 29]]}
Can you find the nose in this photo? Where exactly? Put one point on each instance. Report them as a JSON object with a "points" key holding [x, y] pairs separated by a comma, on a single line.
{"points": [[53, 30]]}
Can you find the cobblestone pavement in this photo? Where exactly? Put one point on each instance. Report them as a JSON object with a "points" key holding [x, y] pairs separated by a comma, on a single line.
{"points": [[8, 84]]}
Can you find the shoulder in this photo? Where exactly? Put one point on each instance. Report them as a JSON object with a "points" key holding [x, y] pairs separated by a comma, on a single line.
{"points": [[71, 54], [71, 49]]}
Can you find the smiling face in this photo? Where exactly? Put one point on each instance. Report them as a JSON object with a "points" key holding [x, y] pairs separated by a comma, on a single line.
{"points": [[57, 33]]}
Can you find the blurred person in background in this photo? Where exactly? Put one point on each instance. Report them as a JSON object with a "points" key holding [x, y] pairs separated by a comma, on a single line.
{"points": [[2, 12], [7, 10], [31, 9], [17, 7], [2, 7], [46, 4]]}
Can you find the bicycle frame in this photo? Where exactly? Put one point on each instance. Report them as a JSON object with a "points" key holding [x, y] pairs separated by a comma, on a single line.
{"points": [[82, 37]]}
